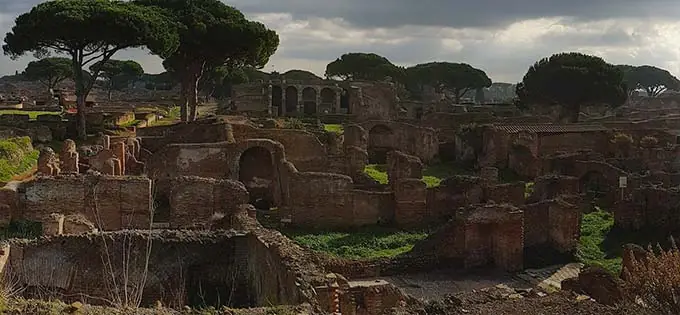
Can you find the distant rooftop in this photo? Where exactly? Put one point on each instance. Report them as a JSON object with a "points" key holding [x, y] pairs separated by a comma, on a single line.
{"points": [[550, 128]]}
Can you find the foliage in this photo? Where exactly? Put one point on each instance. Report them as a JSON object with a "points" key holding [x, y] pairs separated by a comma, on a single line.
{"points": [[366, 243], [219, 81], [459, 78], [213, 34], [594, 229], [572, 80], [654, 281], [432, 174], [293, 123], [21, 229], [363, 66], [336, 128], [33, 115], [49, 71], [170, 116], [118, 74], [649, 142], [651, 79], [300, 75], [88, 31]]}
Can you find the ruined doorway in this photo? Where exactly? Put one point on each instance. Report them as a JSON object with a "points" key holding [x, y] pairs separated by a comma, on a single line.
{"points": [[344, 102], [291, 100], [309, 101], [256, 172], [328, 101], [380, 141], [594, 185], [277, 99], [217, 286]]}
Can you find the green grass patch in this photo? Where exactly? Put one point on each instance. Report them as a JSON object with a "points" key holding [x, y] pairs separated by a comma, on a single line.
{"points": [[16, 157], [432, 174], [592, 249], [170, 115], [31, 114], [21, 229], [364, 243], [336, 128], [377, 172]]}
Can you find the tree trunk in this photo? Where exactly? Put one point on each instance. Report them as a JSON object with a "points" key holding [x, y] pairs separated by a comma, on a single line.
{"points": [[184, 100], [81, 97], [193, 99]]}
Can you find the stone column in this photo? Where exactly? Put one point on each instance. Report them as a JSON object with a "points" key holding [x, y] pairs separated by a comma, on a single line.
{"points": [[300, 106], [270, 97], [283, 101], [119, 150], [318, 102], [338, 101]]}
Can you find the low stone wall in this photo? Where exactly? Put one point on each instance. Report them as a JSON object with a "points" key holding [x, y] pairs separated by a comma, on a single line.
{"points": [[110, 202], [184, 268]]}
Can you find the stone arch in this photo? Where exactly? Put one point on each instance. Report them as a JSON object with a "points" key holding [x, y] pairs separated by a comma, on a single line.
{"points": [[328, 99], [380, 141], [522, 161], [291, 99], [345, 100], [309, 100], [258, 173], [277, 98], [594, 184]]}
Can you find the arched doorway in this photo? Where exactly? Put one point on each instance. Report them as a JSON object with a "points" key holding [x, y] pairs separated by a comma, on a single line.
{"points": [[344, 101], [594, 185], [328, 99], [256, 172], [277, 98], [291, 100], [309, 100], [380, 141]]}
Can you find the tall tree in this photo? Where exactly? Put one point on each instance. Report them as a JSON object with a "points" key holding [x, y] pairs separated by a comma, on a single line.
{"points": [[363, 66], [213, 35], [218, 83], [651, 79], [458, 78], [49, 71], [118, 74], [572, 80], [89, 31]]}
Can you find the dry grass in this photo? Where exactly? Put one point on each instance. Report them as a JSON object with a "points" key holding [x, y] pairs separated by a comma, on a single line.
{"points": [[653, 282]]}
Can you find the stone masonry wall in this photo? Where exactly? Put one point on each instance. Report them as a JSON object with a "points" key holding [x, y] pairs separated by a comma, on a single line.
{"points": [[111, 203], [180, 264], [195, 200]]}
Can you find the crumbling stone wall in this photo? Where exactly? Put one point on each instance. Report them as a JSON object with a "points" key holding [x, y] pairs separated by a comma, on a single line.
{"points": [[302, 147], [478, 236], [649, 207], [194, 201], [111, 203], [410, 139], [262, 269], [553, 224]]}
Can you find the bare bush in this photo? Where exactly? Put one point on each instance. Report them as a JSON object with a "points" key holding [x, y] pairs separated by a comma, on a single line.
{"points": [[653, 282]]}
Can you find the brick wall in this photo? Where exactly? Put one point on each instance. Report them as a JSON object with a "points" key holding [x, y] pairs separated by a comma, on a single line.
{"points": [[111, 203], [194, 200]]}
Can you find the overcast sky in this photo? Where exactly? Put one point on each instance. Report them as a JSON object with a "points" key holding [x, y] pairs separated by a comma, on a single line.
{"points": [[501, 37]]}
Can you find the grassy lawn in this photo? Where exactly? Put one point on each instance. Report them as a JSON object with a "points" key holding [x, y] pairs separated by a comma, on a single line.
{"points": [[170, 116], [602, 244], [16, 157], [31, 114], [432, 174], [591, 250], [365, 243], [333, 128]]}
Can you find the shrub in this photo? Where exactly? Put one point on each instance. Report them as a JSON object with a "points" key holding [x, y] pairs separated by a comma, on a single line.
{"points": [[649, 142], [654, 281]]}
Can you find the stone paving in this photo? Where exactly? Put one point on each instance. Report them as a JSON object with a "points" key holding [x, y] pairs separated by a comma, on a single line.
{"points": [[437, 284]]}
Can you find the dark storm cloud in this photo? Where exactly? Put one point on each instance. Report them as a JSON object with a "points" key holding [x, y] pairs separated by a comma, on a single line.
{"points": [[459, 13]]}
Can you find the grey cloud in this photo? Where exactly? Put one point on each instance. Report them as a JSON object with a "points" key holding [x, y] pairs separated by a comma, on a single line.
{"points": [[459, 13]]}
